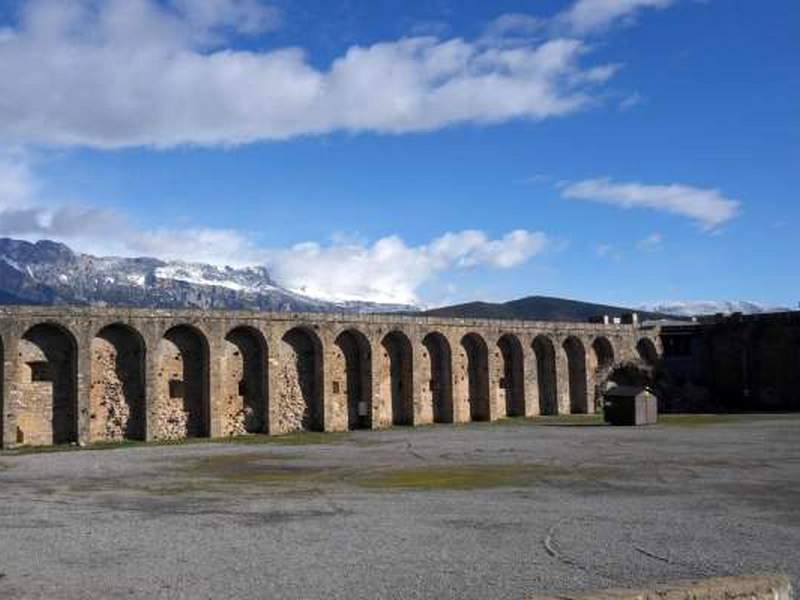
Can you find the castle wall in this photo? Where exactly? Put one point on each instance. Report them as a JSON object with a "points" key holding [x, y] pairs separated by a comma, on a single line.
{"points": [[112, 374]]}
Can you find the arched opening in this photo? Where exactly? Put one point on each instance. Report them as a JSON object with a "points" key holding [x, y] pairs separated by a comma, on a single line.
{"points": [[545, 353], [244, 384], [301, 395], [602, 358], [513, 381], [647, 351], [441, 381], [117, 395], [181, 402], [576, 370], [48, 384], [477, 364], [397, 376], [353, 377]]}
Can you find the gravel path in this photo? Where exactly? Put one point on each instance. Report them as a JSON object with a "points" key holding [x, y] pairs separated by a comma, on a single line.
{"points": [[480, 511]]}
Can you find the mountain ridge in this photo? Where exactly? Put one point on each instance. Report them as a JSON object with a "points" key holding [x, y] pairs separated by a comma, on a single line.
{"points": [[47, 272]]}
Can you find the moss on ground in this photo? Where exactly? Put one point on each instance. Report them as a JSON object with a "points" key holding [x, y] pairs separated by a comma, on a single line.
{"points": [[467, 477], [310, 438]]}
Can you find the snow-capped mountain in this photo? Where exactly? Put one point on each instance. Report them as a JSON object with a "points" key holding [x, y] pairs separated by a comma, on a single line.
{"points": [[51, 273], [710, 307]]}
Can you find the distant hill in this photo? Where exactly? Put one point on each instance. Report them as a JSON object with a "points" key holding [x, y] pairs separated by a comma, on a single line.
{"points": [[538, 308]]}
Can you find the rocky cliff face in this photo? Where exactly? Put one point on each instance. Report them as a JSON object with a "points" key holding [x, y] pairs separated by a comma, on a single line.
{"points": [[51, 273]]}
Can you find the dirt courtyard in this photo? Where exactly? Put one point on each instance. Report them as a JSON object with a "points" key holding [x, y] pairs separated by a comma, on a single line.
{"points": [[475, 511]]}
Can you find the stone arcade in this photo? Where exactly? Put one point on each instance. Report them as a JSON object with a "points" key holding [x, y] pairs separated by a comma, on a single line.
{"points": [[102, 374]]}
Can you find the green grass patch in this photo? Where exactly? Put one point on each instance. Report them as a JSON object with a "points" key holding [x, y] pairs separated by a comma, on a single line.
{"points": [[310, 438], [702, 420], [466, 477], [251, 469]]}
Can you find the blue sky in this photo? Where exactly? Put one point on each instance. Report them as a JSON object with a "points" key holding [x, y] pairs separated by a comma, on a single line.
{"points": [[623, 152]]}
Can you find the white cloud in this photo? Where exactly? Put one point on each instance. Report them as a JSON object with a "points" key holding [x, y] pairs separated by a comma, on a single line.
{"points": [[630, 101], [590, 16], [651, 243], [243, 16], [391, 271], [136, 73], [707, 207]]}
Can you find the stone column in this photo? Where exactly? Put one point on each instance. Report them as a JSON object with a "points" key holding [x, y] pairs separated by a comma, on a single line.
{"points": [[216, 371], [381, 385], [151, 386], [495, 368], [461, 410], [530, 383], [83, 381], [335, 397], [423, 402], [273, 368], [8, 401], [562, 378]]}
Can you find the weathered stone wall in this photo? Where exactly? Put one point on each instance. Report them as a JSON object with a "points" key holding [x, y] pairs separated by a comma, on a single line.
{"points": [[45, 378], [244, 383], [299, 405], [168, 374], [182, 391], [117, 387], [735, 363]]}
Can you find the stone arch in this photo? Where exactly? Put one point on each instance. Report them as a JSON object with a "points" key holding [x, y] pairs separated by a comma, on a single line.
{"points": [[353, 377], [513, 382], [117, 393], [647, 351], [602, 363], [576, 375], [301, 406], [397, 377], [47, 379], [545, 356], [245, 383], [182, 400], [477, 365], [441, 381]]}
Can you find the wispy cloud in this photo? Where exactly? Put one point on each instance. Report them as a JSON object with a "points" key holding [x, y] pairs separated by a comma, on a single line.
{"points": [[651, 243], [707, 207], [591, 16]]}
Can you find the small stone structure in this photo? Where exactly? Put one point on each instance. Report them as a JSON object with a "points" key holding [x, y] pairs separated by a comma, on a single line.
{"points": [[87, 374]]}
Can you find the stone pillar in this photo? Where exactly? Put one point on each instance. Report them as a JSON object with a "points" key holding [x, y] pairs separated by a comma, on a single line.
{"points": [[496, 371], [151, 367], [8, 401], [461, 409], [273, 391], [421, 411], [335, 398], [216, 371], [530, 381], [562, 378], [381, 385], [83, 382], [423, 402]]}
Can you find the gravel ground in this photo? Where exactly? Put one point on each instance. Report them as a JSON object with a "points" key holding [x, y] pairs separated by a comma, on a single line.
{"points": [[478, 511]]}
